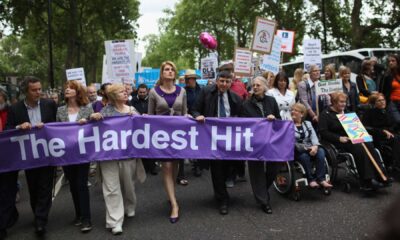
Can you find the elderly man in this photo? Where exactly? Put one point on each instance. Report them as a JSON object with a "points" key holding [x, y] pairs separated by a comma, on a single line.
{"points": [[92, 93]]}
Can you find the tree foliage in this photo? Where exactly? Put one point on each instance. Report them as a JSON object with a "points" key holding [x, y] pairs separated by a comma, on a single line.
{"points": [[349, 25], [79, 29]]}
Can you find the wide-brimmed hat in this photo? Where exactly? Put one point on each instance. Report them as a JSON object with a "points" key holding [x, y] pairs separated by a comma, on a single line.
{"points": [[190, 73]]}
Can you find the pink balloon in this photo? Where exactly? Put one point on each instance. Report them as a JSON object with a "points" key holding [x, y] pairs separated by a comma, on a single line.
{"points": [[208, 41]]}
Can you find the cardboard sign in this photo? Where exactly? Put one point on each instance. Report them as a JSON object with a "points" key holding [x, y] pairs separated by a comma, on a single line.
{"points": [[287, 38], [328, 87], [271, 61], [209, 68], [354, 128], [263, 35], [242, 61], [312, 53], [120, 61], [77, 74]]}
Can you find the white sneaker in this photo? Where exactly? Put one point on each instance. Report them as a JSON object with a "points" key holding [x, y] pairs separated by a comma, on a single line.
{"points": [[131, 214], [117, 230]]}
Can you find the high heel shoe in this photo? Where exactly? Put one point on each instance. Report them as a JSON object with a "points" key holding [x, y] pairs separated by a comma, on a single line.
{"points": [[174, 219]]}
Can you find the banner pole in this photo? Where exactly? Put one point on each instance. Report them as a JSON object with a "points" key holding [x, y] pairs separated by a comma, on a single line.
{"points": [[374, 162]]}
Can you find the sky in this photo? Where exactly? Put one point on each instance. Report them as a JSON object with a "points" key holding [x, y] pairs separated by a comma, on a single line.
{"points": [[151, 11]]}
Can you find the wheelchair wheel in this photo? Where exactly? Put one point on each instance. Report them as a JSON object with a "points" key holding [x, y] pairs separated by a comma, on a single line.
{"points": [[284, 180]]}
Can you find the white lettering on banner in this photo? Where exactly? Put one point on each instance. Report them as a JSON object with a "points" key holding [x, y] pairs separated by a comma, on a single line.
{"points": [[140, 138], [227, 137], [55, 147], [146, 138], [110, 140], [20, 140], [159, 139], [95, 138]]}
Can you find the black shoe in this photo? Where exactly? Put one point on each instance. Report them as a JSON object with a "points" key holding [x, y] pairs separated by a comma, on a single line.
{"points": [[86, 227], [77, 222], [40, 230], [3, 234], [223, 209], [266, 208], [376, 185]]}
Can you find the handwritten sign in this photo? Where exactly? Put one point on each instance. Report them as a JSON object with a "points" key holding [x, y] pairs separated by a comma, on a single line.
{"points": [[77, 74], [312, 53], [242, 61], [328, 87], [120, 61], [287, 38], [354, 128], [271, 61], [263, 35]]}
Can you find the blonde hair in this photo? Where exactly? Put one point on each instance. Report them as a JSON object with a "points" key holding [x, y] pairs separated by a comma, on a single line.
{"points": [[330, 68], [112, 91], [163, 65], [300, 107], [343, 70], [336, 96]]}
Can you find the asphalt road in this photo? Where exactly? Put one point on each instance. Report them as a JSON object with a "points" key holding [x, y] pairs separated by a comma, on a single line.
{"points": [[338, 216]]}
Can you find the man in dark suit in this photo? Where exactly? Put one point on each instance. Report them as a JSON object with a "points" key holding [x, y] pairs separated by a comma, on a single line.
{"points": [[218, 101], [26, 114]]}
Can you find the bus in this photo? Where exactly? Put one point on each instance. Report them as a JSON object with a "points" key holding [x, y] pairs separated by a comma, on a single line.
{"points": [[351, 59]]}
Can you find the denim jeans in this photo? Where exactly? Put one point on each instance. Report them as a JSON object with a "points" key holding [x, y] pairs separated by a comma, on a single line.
{"points": [[305, 159]]}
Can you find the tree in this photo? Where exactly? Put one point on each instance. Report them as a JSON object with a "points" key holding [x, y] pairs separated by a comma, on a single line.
{"points": [[356, 24], [79, 31]]}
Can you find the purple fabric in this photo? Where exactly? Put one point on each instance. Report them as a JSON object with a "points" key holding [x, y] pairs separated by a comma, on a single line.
{"points": [[125, 137], [97, 106], [169, 97]]}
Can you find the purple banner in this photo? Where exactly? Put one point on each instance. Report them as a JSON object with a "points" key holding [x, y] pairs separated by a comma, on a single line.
{"points": [[168, 137]]}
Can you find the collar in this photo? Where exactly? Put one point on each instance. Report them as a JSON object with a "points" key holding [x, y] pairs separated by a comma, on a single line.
{"points": [[29, 107], [310, 82]]}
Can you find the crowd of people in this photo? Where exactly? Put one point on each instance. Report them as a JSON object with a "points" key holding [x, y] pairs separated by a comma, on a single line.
{"points": [[268, 96]]}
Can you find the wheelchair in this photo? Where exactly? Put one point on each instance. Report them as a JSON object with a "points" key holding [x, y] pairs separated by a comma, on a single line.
{"points": [[340, 160], [291, 179]]}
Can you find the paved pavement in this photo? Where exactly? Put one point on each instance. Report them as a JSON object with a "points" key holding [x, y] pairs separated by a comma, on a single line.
{"points": [[338, 216]]}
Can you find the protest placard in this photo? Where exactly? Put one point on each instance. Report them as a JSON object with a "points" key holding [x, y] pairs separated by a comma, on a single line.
{"points": [[312, 53], [242, 61], [120, 61], [354, 128], [209, 67], [263, 35], [77, 74], [328, 86], [271, 61], [287, 38]]}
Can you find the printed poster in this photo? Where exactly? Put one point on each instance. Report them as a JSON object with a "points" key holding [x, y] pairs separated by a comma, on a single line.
{"points": [[263, 35]]}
